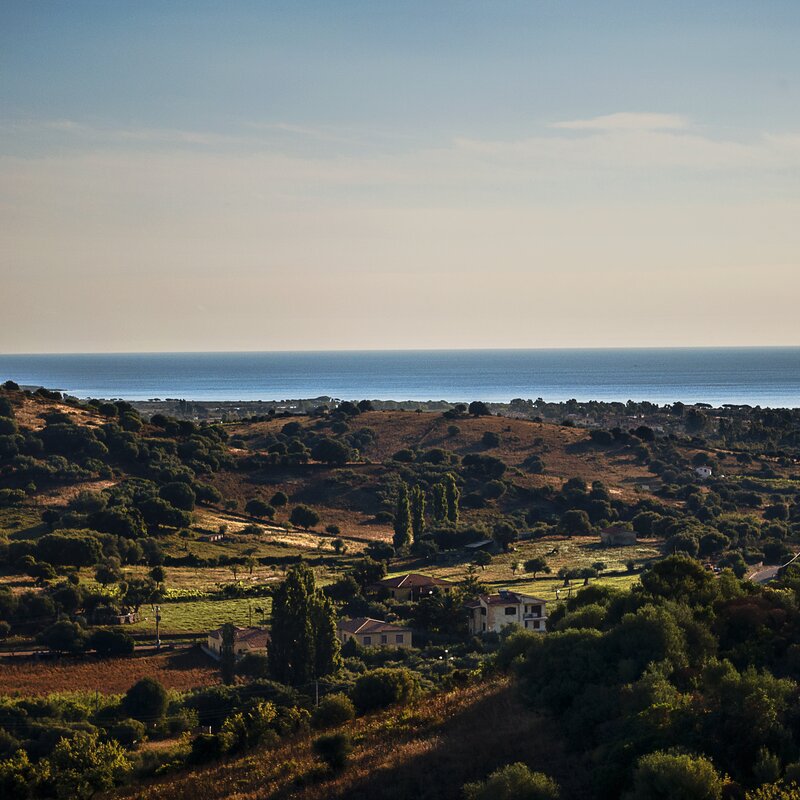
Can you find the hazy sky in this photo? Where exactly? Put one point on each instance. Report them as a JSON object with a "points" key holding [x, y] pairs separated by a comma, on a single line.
{"points": [[315, 175]]}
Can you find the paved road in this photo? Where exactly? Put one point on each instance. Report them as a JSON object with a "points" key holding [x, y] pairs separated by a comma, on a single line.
{"points": [[766, 574], [139, 648]]}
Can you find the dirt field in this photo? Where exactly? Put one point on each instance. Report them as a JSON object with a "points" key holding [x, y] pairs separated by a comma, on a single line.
{"points": [[182, 669]]}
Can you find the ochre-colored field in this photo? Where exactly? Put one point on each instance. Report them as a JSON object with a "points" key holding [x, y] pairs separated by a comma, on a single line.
{"points": [[181, 669]]}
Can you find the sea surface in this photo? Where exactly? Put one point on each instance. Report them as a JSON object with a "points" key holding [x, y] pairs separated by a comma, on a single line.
{"points": [[754, 376]]}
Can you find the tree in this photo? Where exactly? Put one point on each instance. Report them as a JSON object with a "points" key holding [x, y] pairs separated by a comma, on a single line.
{"points": [[83, 765], [439, 502], [452, 494], [513, 782], [258, 508], [504, 533], [675, 776], [482, 559], [402, 519], [537, 565], [303, 641], [109, 571], [227, 653], [179, 494], [575, 521], [279, 500], [146, 701], [680, 578], [478, 408], [331, 451], [63, 637], [158, 573], [334, 750], [417, 513], [304, 517], [139, 591]]}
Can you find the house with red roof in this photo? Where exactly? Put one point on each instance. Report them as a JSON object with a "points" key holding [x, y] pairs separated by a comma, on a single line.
{"points": [[413, 586], [490, 613], [370, 632]]}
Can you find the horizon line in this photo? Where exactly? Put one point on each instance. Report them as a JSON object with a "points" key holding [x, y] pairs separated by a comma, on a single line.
{"points": [[565, 348]]}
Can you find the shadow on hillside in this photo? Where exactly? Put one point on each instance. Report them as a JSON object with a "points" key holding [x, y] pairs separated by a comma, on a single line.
{"points": [[489, 734]]}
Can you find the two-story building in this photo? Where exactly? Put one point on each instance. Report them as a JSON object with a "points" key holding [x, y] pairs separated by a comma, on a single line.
{"points": [[413, 586], [373, 633], [492, 612]]}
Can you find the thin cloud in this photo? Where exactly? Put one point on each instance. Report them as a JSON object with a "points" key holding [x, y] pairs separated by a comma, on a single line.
{"points": [[626, 121]]}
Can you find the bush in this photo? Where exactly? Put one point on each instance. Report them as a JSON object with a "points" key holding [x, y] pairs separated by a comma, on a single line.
{"points": [[108, 643], [334, 709], [128, 732], [334, 750], [383, 687], [513, 782], [675, 777], [146, 700], [490, 439], [253, 665]]}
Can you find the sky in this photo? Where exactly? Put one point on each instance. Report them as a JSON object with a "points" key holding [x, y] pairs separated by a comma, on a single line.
{"points": [[381, 175]]}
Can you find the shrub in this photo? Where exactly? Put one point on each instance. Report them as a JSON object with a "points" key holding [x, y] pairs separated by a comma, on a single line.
{"points": [[383, 687], [675, 777], [111, 643], [334, 750], [513, 782], [128, 732], [490, 439], [334, 709]]}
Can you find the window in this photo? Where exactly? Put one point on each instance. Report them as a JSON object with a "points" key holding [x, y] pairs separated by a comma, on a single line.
{"points": [[511, 611], [537, 625], [537, 610], [367, 641], [483, 612], [398, 638], [384, 638]]}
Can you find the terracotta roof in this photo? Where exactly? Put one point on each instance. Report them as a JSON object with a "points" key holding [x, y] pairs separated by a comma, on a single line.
{"points": [[255, 637], [368, 625], [503, 598], [414, 580]]}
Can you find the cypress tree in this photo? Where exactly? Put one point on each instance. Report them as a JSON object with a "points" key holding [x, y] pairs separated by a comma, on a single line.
{"points": [[452, 496], [327, 658], [228, 654], [402, 519], [291, 648], [417, 513], [303, 642]]}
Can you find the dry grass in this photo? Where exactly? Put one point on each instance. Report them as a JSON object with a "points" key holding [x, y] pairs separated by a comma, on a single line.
{"points": [[182, 669], [428, 750]]}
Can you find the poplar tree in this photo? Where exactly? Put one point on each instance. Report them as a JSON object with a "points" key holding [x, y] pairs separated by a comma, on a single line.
{"points": [[452, 495], [439, 502], [417, 513], [402, 519]]}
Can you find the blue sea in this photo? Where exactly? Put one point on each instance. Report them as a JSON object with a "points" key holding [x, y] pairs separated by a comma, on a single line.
{"points": [[754, 376]]}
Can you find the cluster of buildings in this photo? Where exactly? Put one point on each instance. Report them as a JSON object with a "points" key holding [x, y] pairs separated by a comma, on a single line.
{"points": [[487, 613]]}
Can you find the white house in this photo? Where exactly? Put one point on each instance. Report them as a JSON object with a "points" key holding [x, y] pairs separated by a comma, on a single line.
{"points": [[492, 612]]}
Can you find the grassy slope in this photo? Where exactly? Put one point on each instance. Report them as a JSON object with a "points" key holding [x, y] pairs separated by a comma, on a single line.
{"points": [[428, 750]]}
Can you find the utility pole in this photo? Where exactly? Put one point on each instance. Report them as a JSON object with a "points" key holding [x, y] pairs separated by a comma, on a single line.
{"points": [[158, 625]]}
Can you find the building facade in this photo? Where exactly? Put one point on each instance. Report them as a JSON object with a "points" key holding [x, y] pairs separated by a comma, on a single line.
{"points": [[490, 613], [369, 632]]}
